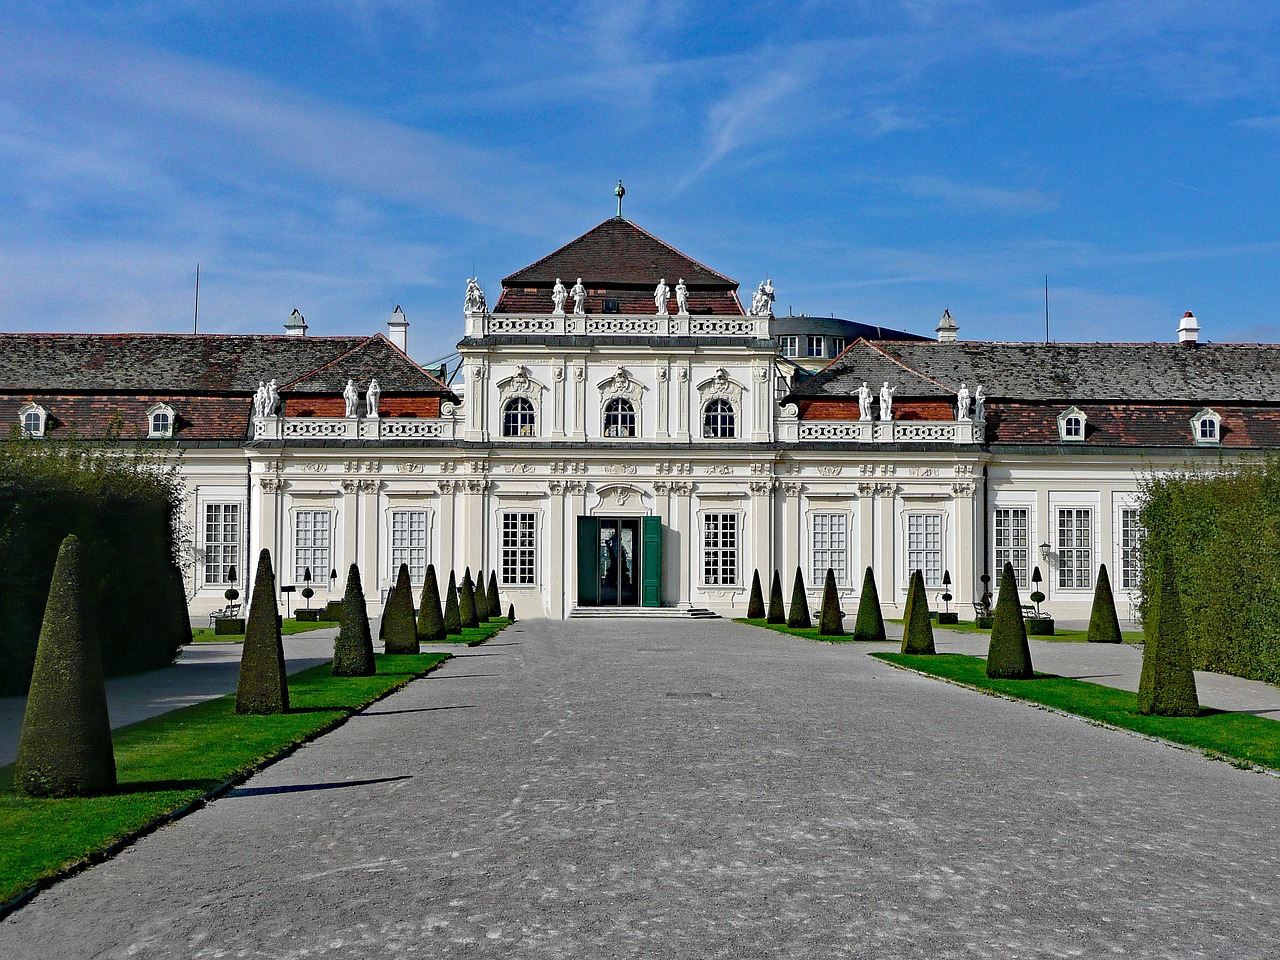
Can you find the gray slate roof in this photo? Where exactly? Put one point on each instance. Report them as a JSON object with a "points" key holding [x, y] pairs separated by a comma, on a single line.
{"points": [[1072, 372], [160, 363], [374, 357]]}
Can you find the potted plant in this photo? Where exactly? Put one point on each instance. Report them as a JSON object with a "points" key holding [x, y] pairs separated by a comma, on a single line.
{"points": [[948, 615], [984, 618], [1041, 625], [228, 624]]}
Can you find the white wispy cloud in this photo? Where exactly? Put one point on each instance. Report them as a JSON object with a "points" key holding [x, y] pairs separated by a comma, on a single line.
{"points": [[1259, 123], [975, 197]]}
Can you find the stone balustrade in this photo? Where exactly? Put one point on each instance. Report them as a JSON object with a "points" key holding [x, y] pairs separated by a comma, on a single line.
{"points": [[348, 428], [877, 431], [616, 324]]}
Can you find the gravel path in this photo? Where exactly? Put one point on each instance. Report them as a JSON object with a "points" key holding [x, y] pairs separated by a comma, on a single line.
{"points": [[702, 790]]}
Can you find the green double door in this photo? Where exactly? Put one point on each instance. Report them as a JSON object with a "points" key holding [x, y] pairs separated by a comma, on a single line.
{"points": [[619, 562]]}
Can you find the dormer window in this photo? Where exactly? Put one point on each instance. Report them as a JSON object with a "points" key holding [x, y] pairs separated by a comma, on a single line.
{"points": [[32, 419], [1206, 428], [160, 422], [1071, 424]]}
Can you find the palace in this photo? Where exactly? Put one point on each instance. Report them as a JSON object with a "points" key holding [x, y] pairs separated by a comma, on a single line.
{"points": [[630, 436]]}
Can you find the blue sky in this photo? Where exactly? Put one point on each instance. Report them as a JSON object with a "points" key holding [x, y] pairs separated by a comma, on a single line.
{"points": [[879, 160]]}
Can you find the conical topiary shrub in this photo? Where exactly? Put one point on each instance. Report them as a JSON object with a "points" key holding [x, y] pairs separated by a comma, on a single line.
{"points": [[1104, 624], [870, 623], [777, 612], [382, 620], [482, 599], [401, 631], [917, 630], [65, 748], [353, 650], [452, 617], [1167, 687], [755, 605], [1009, 654], [831, 619], [264, 684], [799, 617], [511, 612], [467, 601], [495, 602], [430, 616]]}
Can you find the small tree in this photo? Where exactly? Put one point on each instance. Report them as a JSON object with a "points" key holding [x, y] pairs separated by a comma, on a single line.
{"points": [[870, 622], [1104, 624], [264, 683], [755, 606], [1037, 595], [401, 630], [452, 615], [511, 612], [353, 650], [917, 630], [495, 602], [430, 616], [65, 749], [1167, 687], [482, 599], [1009, 654], [777, 612], [831, 619], [382, 620], [467, 601], [799, 617]]}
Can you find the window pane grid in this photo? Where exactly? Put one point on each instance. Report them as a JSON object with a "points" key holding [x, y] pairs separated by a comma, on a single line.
{"points": [[720, 549], [1012, 543], [1075, 548], [1130, 566], [221, 541], [408, 544], [311, 544], [718, 421], [619, 418], [924, 546], [830, 547], [519, 552], [518, 418]]}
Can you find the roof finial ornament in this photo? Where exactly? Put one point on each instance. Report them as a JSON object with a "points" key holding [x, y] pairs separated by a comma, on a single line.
{"points": [[620, 191]]}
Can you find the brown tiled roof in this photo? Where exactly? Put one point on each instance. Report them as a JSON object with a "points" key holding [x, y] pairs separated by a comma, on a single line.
{"points": [[93, 416], [618, 253], [160, 362], [1141, 425], [1069, 373], [375, 357]]}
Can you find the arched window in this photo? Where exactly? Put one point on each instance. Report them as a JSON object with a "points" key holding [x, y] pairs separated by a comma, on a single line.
{"points": [[619, 418], [718, 420], [32, 417], [160, 419], [518, 419], [1071, 425]]}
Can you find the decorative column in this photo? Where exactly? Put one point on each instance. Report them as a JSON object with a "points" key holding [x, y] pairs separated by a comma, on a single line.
{"points": [[448, 533], [790, 552], [557, 401], [554, 536], [762, 529], [576, 496], [867, 538], [477, 401], [685, 576], [891, 586], [579, 402], [267, 513], [968, 560], [369, 544], [761, 421], [682, 398], [349, 520], [664, 396], [473, 536]]}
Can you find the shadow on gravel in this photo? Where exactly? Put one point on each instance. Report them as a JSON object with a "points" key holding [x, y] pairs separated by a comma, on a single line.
{"points": [[155, 786], [1090, 676], [388, 713], [304, 787], [461, 676]]}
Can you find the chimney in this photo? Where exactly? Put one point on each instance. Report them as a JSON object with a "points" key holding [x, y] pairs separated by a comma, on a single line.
{"points": [[947, 329], [1189, 330], [398, 329], [296, 325]]}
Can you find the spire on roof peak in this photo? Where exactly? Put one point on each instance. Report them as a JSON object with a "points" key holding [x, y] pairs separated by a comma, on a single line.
{"points": [[620, 191]]}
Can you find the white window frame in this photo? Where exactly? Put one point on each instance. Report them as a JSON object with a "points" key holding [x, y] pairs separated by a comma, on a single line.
{"points": [[1206, 428], [166, 432], [319, 572], [918, 555], [42, 422], [409, 542], [1020, 555], [732, 425], [529, 429], [829, 535], [1128, 546], [815, 346], [1070, 421], [1075, 561], [635, 419], [518, 547], [721, 548], [220, 551], [839, 345], [789, 345]]}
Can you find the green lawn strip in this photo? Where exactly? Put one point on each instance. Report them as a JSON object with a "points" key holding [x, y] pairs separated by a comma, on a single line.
{"points": [[1242, 736], [206, 634], [474, 636], [172, 761], [1069, 636], [809, 633]]}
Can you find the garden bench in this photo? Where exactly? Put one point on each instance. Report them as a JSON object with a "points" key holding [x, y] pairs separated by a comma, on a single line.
{"points": [[1029, 612], [229, 612], [981, 608]]}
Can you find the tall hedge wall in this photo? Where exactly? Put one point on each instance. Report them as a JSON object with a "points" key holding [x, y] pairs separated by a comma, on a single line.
{"points": [[123, 508], [1221, 528]]}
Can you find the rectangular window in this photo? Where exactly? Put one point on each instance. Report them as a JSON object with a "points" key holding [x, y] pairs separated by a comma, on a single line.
{"points": [[311, 545], [790, 346], [720, 550], [1130, 565], [408, 544], [830, 547], [924, 546], [221, 542], [1075, 548], [519, 548], [1012, 543], [813, 346], [838, 345]]}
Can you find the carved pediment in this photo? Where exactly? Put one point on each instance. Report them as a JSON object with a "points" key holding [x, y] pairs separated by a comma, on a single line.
{"points": [[721, 387], [621, 384], [520, 384]]}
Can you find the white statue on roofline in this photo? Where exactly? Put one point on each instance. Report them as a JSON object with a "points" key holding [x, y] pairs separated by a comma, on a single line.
{"points": [[371, 399], [579, 294], [962, 402], [886, 401], [864, 402], [558, 296], [661, 294], [352, 396], [682, 298], [979, 404], [475, 302]]}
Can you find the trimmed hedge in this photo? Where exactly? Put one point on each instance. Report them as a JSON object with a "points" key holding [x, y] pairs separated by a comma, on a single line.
{"points": [[1104, 624], [264, 682], [481, 599], [777, 612], [831, 617], [430, 617], [755, 605], [400, 630], [917, 628], [467, 614], [353, 647], [798, 617], [1167, 686], [870, 622], [124, 510], [1221, 529], [452, 614], [1009, 654], [495, 601]]}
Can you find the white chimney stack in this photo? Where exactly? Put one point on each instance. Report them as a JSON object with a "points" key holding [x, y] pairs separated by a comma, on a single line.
{"points": [[947, 329], [296, 325], [398, 329], [1189, 330]]}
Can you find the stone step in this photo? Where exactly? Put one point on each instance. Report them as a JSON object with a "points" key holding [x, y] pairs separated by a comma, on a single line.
{"points": [[645, 613]]}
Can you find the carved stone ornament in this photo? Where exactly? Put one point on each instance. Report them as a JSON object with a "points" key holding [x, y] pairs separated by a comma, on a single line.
{"points": [[368, 486], [719, 469], [314, 467], [681, 488], [829, 471], [555, 487], [521, 468], [476, 486], [271, 484], [789, 411], [580, 373], [721, 387], [866, 489], [449, 409], [348, 485], [886, 489], [557, 374], [575, 488], [626, 469], [409, 467], [661, 487], [620, 385], [964, 490], [664, 374], [447, 486], [792, 489], [762, 488]]}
